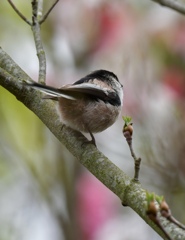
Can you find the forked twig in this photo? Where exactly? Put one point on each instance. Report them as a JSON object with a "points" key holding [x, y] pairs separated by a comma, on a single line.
{"points": [[35, 25]]}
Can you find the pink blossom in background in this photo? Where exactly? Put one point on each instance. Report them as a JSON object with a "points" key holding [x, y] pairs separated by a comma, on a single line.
{"points": [[95, 205], [175, 81]]}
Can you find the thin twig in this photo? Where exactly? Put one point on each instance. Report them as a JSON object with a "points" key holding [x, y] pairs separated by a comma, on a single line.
{"points": [[40, 51], [38, 43], [48, 12], [173, 4], [137, 161], [127, 132], [19, 13]]}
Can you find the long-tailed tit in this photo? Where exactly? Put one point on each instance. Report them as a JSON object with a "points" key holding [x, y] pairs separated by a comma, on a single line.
{"points": [[90, 104]]}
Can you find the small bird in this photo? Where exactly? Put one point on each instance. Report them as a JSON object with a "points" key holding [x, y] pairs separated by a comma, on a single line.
{"points": [[91, 104]]}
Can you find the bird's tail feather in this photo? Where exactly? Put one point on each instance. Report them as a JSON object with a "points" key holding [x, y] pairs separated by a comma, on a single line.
{"points": [[52, 93]]}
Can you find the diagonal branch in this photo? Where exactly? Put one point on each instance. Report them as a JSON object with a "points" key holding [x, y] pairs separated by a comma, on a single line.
{"points": [[173, 4]]}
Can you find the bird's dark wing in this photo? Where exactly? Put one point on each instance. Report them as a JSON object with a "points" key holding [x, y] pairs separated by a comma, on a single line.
{"points": [[75, 92], [93, 91]]}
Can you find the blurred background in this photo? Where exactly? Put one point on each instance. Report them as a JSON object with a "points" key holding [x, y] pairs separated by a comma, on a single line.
{"points": [[44, 192]]}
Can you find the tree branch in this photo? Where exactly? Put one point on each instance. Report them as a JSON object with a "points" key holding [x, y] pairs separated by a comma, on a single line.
{"points": [[130, 193], [173, 4]]}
